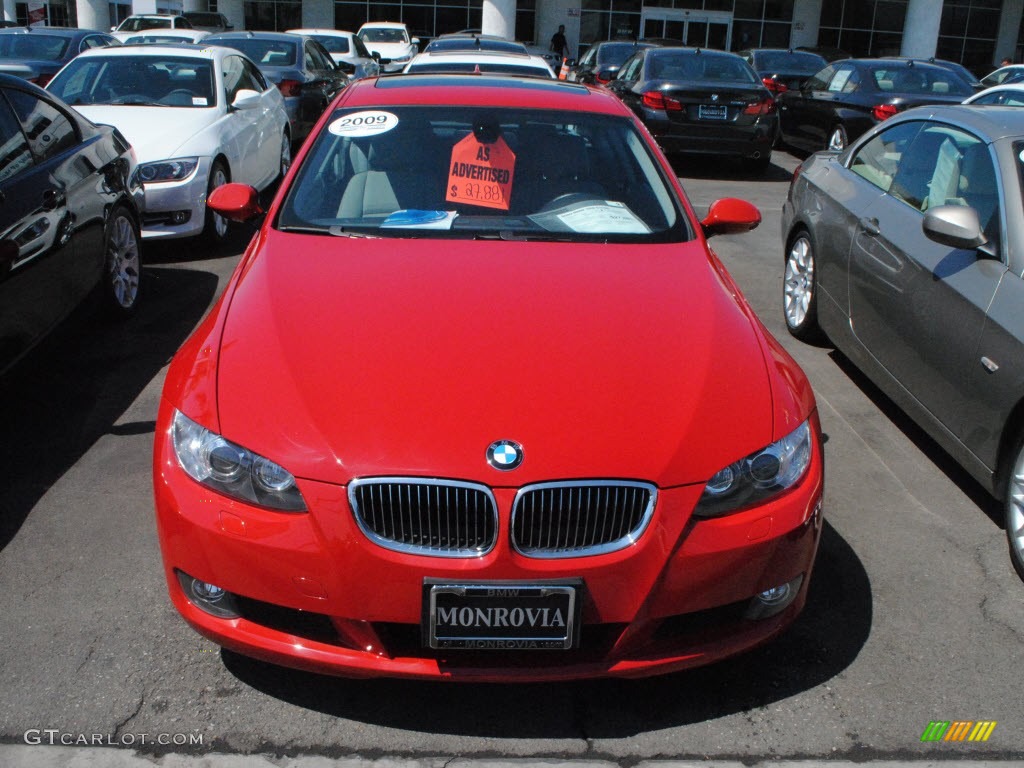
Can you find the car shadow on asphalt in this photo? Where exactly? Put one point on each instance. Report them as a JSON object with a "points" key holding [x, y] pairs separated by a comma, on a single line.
{"points": [[959, 476], [719, 169], [823, 642], [73, 387]]}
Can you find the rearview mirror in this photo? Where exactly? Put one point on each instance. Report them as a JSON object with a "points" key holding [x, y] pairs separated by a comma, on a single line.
{"points": [[730, 216], [235, 202], [954, 225]]}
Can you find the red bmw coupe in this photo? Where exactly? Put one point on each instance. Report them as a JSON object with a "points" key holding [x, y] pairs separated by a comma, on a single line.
{"points": [[479, 403]]}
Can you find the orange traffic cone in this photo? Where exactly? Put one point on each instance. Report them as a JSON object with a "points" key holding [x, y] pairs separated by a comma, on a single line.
{"points": [[564, 71]]}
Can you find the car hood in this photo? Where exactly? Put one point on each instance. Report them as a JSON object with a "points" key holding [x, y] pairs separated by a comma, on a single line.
{"points": [[343, 358], [154, 132]]}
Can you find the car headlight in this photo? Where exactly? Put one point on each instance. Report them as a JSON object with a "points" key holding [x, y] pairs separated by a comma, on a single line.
{"points": [[232, 470], [168, 170], [402, 58], [758, 476]]}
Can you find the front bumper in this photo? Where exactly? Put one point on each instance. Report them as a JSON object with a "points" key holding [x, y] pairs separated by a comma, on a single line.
{"points": [[316, 594], [186, 198]]}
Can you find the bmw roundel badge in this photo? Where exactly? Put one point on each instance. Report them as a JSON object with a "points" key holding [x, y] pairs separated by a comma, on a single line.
{"points": [[504, 455]]}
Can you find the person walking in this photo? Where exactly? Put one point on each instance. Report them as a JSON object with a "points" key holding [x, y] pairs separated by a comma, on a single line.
{"points": [[559, 44]]}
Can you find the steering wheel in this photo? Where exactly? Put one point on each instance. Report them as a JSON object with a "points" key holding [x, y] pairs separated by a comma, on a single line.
{"points": [[178, 94], [568, 198]]}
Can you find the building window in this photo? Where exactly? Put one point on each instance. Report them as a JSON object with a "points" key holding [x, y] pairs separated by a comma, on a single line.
{"points": [[272, 15]]}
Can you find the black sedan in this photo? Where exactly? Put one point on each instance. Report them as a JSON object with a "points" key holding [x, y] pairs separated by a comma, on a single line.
{"points": [[906, 251], [298, 65], [848, 97], [781, 69], [602, 60], [700, 102], [37, 53], [69, 223]]}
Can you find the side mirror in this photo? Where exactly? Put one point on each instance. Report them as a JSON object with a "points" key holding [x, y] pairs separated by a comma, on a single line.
{"points": [[246, 99], [954, 225], [235, 202], [346, 66], [607, 75], [415, 41], [376, 56], [730, 216]]}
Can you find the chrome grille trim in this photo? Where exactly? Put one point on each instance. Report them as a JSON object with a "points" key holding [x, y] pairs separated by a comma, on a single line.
{"points": [[426, 516], [596, 517]]}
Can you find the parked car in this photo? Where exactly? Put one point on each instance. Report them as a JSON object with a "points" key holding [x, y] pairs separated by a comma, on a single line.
{"points": [[700, 101], [601, 61], [196, 117], [1013, 73], [69, 225], [1011, 95], [487, 62], [391, 41], [144, 22], [208, 21], [848, 97], [302, 70], [167, 37], [905, 251], [346, 49], [37, 53], [781, 69], [439, 231]]}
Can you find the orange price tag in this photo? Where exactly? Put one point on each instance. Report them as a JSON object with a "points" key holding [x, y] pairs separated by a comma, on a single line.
{"points": [[481, 174]]}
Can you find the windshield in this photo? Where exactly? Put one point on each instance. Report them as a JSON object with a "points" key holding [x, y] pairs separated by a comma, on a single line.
{"points": [[141, 23], [667, 64], [486, 67], [918, 80], [332, 43], [151, 81], [481, 172], [474, 44], [33, 46], [789, 62], [614, 54], [266, 53], [384, 35], [161, 39]]}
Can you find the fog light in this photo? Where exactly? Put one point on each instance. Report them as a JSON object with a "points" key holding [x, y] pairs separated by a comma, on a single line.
{"points": [[208, 597], [773, 601], [180, 217]]}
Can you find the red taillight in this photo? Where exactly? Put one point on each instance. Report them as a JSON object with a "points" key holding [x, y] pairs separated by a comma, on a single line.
{"points": [[763, 107], [658, 100], [884, 111], [774, 85], [290, 87], [42, 80]]}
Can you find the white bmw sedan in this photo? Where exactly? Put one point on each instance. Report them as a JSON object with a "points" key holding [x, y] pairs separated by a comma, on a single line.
{"points": [[197, 118]]}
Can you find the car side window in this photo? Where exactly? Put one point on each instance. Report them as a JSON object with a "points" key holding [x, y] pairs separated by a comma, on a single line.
{"points": [[819, 81], [16, 156], [321, 58], [253, 72], [361, 51], [237, 78], [311, 62], [48, 129], [947, 166], [845, 80], [878, 160], [631, 69], [588, 57]]}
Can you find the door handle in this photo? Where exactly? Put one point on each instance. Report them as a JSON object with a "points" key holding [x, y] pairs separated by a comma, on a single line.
{"points": [[870, 226]]}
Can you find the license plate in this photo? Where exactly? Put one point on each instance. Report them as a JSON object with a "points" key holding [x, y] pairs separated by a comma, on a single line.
{"points": [[712, 112], [500, 616]]}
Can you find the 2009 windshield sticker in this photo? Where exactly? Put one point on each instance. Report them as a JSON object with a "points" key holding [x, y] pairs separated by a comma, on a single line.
{"points": [[362, 124], [481, 174]]}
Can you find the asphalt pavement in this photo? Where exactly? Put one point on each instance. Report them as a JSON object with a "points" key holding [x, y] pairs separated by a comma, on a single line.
{"points": [[914, 615]]}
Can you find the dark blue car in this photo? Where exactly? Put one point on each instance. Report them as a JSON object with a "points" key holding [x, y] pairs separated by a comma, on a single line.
{"points": [[37, 53]]}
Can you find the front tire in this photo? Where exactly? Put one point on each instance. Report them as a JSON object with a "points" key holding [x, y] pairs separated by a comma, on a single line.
{"points": [[122, 263], [215, 228], [800, 289], [1014, 510], [285, 161], [837, 139]]}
